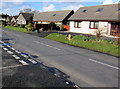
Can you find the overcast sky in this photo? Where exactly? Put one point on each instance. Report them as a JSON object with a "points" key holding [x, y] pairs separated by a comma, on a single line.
{"points": [[13, 7]]}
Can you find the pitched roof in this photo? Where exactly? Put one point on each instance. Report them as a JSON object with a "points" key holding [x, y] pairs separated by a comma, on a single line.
{"points": [[101, 12], [15, 17], [52, 15], [9, 17], [27, 15]]}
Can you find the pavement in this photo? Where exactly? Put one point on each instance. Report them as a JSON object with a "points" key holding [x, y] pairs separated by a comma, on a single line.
{"points": [[21, 70], [84, 67], [43, 34]]}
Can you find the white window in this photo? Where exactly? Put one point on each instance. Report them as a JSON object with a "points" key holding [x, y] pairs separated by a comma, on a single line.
{"points": [[93, 25], [77, 24]]}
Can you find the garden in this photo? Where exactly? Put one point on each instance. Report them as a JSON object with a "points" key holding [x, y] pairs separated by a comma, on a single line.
{"points": [[21, 28], [89, 42]]}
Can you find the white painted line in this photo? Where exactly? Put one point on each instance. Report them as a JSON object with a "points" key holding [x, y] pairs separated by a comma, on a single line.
{"points": [[33, 61], [48, 45], [104, 64], [10, 67], [23, 62], [5, 49], [17, 51], [24, 55], [13, 48], [9, 52], [16, 57], [8, 46]]}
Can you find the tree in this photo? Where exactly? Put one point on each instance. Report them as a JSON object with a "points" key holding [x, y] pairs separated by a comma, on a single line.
{"points": [[30, 19], [52, 25], [99, 32]]}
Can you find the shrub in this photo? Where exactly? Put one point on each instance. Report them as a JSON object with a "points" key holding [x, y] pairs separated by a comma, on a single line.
{"points": [[22, 26], [52, 25], [12, 24], [29, 27], [85, 38], [61, 27], [16, 25], [99, 32]]}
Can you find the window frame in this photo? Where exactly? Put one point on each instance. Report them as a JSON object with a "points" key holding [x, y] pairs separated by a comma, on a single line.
{"points": [[94, 25], [77, 22]]}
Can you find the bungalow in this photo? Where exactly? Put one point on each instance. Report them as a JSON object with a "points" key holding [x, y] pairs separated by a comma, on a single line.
{"points": [[43, 19], [9, 18], [14, 19], [23, 18], [89, 20]]}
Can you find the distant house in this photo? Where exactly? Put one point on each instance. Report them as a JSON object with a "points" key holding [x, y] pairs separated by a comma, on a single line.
{"points": [[88, 20], [3, 17], [14, 19], [23, 18], [43, 19], [9, 18]]}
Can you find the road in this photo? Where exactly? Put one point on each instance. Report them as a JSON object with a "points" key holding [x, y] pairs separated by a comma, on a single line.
{"points": [[86, 68], [21, 70]]}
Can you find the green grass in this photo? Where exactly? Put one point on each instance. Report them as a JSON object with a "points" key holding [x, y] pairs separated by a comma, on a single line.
{"points": [[105, 46], [16, 28]]}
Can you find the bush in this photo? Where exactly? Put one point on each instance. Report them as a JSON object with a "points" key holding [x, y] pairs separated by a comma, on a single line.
{"points": [[85, 38], [12, 24], [52, 26], [16, 25], [61, 27], [22, 26], [29, 27]]}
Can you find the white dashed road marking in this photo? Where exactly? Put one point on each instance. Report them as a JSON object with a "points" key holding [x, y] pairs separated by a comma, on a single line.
{"points": [[10, 52], [17, 51], [24, 55], [10, 67], [5, 49], [33, 61], [48, 45], [23, 62], [8, 46], [13, 48], [104, 64], [16, 57]]}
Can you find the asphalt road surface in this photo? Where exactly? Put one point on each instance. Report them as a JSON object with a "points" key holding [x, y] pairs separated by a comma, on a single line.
{"points": [[86, 68], [20, 70]]}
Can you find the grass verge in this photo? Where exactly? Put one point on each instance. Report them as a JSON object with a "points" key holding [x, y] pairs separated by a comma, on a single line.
{"points": [[16, 28], [103, 46]]}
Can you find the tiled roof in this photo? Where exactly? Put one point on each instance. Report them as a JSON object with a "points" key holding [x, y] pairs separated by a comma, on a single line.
{"points": [[27, 15], [102, 12], [15, 17], [52, 15]]}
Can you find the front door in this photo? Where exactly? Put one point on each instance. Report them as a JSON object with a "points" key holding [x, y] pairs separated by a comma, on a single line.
{"points": [[115, 29]]}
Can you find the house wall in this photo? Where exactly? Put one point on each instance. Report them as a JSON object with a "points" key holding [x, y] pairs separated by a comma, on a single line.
{"points": [[109, 28], [13, 20], [105, 26], [21, 20]]}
